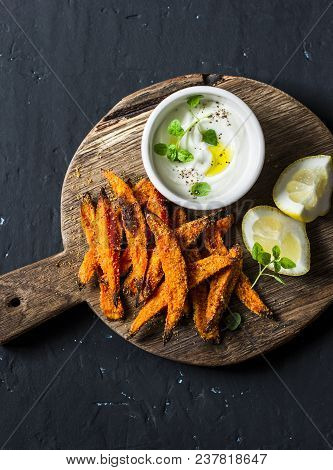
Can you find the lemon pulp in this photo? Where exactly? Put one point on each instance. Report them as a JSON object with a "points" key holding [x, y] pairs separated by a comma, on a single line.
{"points": [[268, 231], [307, 186], [221, 157]]}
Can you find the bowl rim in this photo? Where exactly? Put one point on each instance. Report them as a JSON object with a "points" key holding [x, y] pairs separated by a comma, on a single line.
{"points": [[147, 157]]}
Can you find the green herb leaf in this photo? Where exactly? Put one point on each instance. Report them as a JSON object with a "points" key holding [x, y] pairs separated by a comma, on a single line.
{"points": [[264, 258], [194, 100], [232, 321], [277, 266], [184, 156], [256, 250], [210, 137], [161, 149], [276, 277], [276, 252], [287, 263], [175, 128], [200, 189], [172, 152]]}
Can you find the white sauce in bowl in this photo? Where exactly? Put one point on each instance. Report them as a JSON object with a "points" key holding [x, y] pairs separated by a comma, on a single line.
{"points": [[230, 168]]}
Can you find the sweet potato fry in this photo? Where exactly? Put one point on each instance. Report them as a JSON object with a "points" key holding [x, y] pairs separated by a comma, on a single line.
{"points": [[125, 262], [89, 264], [197, 272], [214, 233], [174, 269], [155, 304], [244, 291], [186, 235], [135, 230], [88, 267], [199, 296], [206, 267], [221, 287], [147, 195], [107, 243], [153, 276], [179, 217], [250, 298], [111, 311], [141, 191]]}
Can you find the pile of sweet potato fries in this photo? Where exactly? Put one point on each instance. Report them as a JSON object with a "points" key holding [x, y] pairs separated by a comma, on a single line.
{"points": [[167, 263]]}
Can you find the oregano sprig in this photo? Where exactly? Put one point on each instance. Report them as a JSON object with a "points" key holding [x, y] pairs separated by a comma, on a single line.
{"points": [[273, 260], [175, 152]]}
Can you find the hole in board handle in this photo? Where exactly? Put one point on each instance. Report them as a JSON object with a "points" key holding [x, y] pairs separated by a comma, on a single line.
{"points": [[14, 302]]}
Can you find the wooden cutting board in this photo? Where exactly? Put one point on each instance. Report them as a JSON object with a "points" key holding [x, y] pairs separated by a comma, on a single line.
{"points": [[33, 294]]}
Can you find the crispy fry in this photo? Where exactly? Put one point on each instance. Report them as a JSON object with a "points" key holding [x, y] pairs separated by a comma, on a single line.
{"points": [[197, 272], [221, 287], [179, 217], [107, 242], [111, 311], [199, 296], [125, 262], [135, 230], [244, 291], [89, 264], [153, 276], [88, 267], [152, 308], [206, 267], [174, 268], [141, 191], [214, 233], [250, 298], [186, 235], [189, 232], [146, 194]]}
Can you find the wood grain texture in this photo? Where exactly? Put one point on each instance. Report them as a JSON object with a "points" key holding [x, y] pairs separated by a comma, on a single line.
{"points": [[37, 292], [291, 131]]}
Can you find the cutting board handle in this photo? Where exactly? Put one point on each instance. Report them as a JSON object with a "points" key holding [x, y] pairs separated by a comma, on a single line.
{"points": [[35, 293]]}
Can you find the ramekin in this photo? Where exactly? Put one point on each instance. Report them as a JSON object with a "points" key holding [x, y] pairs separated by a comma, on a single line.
{"points": [[255, 138]]}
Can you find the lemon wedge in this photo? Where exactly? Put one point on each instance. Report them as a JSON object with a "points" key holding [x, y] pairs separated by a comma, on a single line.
{"points": [[304, 188], [269, 227]]}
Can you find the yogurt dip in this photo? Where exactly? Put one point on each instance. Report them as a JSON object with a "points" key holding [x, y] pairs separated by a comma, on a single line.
{"points": [[206, 148]]}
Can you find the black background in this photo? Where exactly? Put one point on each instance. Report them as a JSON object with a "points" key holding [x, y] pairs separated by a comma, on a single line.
{"points": [[63, 65]]}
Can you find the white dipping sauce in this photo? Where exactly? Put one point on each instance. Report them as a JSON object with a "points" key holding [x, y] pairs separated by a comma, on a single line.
{"points": [[233, 150]]}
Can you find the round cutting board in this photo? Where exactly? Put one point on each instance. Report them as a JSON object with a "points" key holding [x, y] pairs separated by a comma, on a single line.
{"points": [[31, 295]]}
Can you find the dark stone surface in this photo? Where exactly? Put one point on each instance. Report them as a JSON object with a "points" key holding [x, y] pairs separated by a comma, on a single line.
{"points": [[63, 64]]}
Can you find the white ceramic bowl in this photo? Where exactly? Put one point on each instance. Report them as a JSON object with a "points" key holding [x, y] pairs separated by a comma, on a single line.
{"points": [[255, 147]]}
